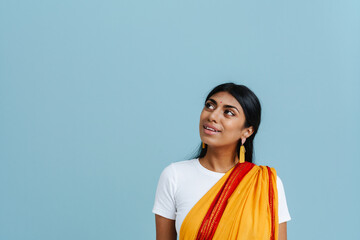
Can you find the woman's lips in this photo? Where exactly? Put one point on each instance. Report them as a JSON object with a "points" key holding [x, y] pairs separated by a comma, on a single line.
{"points": [[207, 131]]}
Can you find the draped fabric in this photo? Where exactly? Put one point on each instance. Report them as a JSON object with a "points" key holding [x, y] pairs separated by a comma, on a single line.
{"points": [[243, 204]]}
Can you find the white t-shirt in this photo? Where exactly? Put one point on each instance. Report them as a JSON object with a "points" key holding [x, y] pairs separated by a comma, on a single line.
{"points": [[182, 184]]}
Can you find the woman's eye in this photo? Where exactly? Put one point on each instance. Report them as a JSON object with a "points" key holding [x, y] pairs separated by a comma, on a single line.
{"points": [[230, 112], [207, 105]]}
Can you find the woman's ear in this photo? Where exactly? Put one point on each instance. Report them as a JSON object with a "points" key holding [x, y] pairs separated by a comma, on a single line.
{"points": [[249, 131]]}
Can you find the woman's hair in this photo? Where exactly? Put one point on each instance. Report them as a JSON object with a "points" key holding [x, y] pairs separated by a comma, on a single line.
{"points": [[252, 110]]}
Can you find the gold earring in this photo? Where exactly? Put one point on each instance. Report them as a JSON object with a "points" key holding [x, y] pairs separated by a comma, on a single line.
{"points": [[203, 145], [242, 154]]}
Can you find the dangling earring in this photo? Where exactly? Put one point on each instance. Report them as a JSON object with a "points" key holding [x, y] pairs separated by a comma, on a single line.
{"points": [[203, 145], [242, 153]]}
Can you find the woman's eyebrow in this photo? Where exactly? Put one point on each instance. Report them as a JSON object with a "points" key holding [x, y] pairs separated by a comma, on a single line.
{"points": [[227, 106]]}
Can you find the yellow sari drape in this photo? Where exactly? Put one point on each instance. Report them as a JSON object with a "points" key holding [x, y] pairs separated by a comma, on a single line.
{"points": [[251, 212]]}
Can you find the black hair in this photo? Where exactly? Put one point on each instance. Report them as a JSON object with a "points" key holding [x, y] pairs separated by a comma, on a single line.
{"points": [[252, 110]]}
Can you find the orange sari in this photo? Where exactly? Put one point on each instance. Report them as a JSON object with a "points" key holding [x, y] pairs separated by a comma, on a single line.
{"points": [[243, 204]]}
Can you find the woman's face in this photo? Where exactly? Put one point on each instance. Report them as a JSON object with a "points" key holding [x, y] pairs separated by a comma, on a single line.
{"points": [[223, 113]]}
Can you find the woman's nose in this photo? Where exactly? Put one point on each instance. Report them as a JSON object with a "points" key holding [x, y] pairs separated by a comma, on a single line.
{"points": [[214, 116]]}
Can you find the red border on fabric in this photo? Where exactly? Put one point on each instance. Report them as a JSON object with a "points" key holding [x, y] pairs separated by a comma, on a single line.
{"points": [[217, 207], [271, 197]]}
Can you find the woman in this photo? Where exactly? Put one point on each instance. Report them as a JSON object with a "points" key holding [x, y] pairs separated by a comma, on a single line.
{"points": [[220, 193]]}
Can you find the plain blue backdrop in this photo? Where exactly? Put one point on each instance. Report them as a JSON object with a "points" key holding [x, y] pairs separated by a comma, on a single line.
{"points": [[97, 97]]}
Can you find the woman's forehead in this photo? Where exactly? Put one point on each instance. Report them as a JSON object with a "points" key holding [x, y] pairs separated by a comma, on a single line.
{"points": [[225, 98]]}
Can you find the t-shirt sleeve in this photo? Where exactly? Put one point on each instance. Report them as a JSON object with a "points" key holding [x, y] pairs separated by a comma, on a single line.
{"points": [[283, 211], [164, 204]]}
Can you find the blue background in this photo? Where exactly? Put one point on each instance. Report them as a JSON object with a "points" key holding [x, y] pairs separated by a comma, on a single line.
{"points": [[97, 97]]}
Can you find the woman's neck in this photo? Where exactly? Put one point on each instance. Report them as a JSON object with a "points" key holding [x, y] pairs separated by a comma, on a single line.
{"points": [[219, 160]]}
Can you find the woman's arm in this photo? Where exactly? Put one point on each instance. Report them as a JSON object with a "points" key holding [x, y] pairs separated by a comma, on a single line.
{"points": [[165, 228], [282, 231]]}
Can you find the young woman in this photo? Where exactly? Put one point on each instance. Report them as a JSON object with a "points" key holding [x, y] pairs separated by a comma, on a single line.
{"points": [[221, 193]]}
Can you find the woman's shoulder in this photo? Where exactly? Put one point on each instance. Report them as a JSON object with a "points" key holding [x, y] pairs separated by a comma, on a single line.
{"points": [[182, 164], [269, 168], [264, 167], [179, 166]]}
